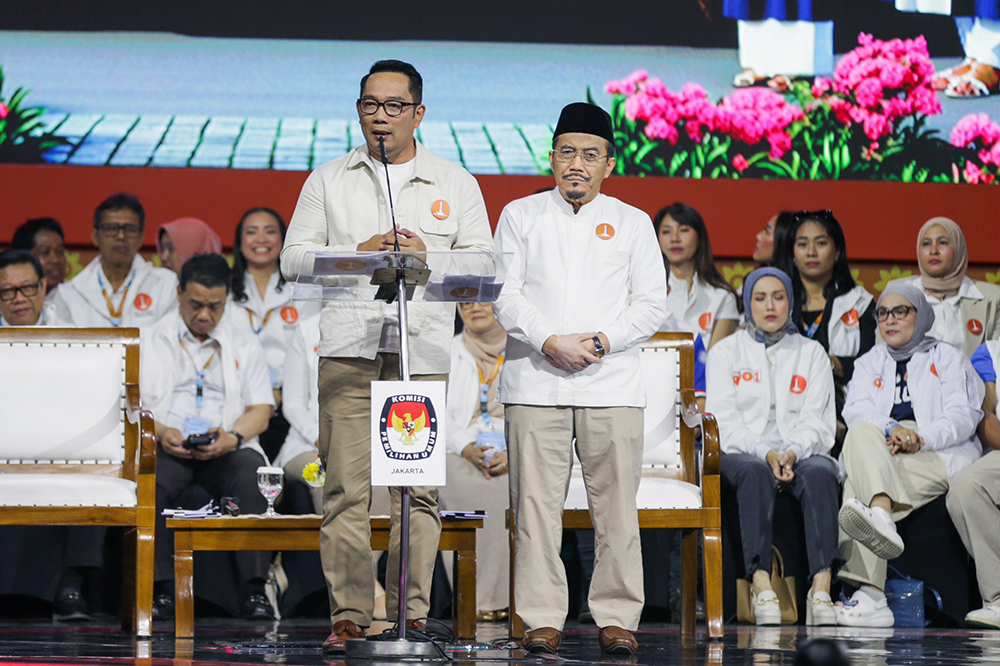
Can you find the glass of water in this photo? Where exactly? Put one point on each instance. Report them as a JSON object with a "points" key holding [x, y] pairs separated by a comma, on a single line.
{"points": [[270, 481]]}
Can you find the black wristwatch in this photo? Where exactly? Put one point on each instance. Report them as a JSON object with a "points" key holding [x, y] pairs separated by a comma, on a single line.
{"points": [[599, 350], [240, 439]]}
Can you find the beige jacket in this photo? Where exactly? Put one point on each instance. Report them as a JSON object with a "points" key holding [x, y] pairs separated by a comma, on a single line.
{"points": [[342, 204]]}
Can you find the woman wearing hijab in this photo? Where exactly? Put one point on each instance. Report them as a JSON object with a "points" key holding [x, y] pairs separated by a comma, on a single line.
{"points": [[965, 310], [477, 453], [178, 241], [912, 411], [771, 391]]}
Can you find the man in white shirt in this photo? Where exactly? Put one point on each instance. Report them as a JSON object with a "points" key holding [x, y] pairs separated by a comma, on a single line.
{"points": [[344, 207], [197, 380], [585, 285], [22, 291], [118, 288]]}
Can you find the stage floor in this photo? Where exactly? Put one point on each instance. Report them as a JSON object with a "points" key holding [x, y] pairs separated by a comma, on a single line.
{"points": [[298, 642]]}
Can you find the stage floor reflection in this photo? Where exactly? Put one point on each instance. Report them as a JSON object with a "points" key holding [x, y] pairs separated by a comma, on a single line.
{"points": [[223, 641]]}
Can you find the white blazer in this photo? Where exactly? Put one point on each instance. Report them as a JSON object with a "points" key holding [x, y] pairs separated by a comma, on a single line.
{"points": [[242, 364], [739, 394], [945, 391], [151, 295], [463, 399], [844, 330], [701, 306], [300, 396]]}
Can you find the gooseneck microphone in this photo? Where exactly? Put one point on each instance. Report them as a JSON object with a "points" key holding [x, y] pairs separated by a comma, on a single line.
{"points": [[389, 292]]}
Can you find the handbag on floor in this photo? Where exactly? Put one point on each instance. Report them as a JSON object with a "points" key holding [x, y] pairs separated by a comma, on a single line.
{"points": [[783, 586], [906, 600]]}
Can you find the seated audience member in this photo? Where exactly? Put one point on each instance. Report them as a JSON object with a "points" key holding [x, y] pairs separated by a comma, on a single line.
{"points": [[301, 392], [477, 454], [22, 291], [774, 239], [178, 241], [22, 303], [974, 497], [697, 294], [965, 310], [196, 379], [117, 288], [771, 390], [44, 238], [261, 304], [912, 410], [830, 307]]}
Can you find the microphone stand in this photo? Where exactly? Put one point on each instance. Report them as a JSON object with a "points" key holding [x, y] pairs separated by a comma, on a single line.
{"points": [[399, 646]]}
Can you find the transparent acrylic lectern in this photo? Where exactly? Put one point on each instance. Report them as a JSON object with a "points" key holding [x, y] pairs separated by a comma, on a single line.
{"points": [[432, 276]]}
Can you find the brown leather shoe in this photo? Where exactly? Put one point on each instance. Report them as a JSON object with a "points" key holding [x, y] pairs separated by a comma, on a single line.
{"points": [[336, 642], [615, 640], [545, 640]]}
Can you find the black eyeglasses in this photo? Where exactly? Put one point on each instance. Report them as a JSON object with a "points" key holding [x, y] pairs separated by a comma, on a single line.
{"points": [[10, 293], [393, 109], [110, 230], [898, 312]]}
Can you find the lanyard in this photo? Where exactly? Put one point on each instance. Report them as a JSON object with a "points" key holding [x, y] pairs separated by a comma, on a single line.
{"points": [[484, 389], [257, 329], [200, 374], [811, 331], [115, 314]]}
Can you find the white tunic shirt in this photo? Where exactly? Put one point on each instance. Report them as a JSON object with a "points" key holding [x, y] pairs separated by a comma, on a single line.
{"points": [[301, 391], [147, 294], [700, 306], [273, 318], [599, 270]]}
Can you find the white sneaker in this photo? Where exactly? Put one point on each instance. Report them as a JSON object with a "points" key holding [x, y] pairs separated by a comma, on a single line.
{"points": [[820, 611], [871, 529], [862, 611], [766, 608], [987, 617]]}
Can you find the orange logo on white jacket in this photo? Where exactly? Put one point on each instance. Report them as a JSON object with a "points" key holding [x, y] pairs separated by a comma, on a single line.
{"points": [[798, 384]]}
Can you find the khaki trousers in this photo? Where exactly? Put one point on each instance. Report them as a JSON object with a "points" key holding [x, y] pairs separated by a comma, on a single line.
{"points": [[974, 505], [345, 535], [609, 444], [911, 480]]}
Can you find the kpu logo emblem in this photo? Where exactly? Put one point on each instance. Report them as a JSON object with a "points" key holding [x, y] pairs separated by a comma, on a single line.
{"points": [[798, 384], [705, 321], [975, 326], [440, 209], [408, 427], [605, 231], [289, 314], [850, 318]]}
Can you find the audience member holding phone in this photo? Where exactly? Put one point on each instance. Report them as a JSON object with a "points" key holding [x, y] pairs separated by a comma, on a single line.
{"points": [[210, 397]]}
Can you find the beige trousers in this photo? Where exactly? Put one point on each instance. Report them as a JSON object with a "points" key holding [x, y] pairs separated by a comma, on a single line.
{"points": [[469, 490], [911, 480], [609, 445], [345, 535], [974, 505]]}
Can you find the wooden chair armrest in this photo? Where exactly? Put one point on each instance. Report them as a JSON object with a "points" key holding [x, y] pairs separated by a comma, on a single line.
{"points": [[147, 430], [690, 413], [711, 451]]}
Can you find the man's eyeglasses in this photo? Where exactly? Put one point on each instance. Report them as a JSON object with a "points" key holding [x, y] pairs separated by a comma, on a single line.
{"points": [[567, 155], [393, 109], [898, 312], [110, 230], [10, 293]]}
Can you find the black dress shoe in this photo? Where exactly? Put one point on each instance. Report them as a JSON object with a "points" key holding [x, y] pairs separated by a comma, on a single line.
{"points": [[163, 606], [256, 607], [70, 607]]}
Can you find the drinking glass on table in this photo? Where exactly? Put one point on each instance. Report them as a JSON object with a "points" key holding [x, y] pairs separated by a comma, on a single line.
{"points": [[270, 481]]}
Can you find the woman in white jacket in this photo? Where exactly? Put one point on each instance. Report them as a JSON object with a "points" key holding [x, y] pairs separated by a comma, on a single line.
{"points": [[771, 390], [477, 454], [912, 411]]}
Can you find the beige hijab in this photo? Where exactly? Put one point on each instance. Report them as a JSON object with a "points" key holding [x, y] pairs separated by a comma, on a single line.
{"points": [[943, 287], [485, 349]]}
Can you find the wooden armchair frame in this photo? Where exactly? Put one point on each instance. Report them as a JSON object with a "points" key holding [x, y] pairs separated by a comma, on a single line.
{"points": [[139, 466], [707, 520]]}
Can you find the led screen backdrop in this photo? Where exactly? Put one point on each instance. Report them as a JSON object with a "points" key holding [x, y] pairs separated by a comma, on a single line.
{"points": [[257, 91]]}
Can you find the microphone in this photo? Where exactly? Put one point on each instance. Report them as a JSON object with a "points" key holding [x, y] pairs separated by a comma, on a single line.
{"points": [[387, 292]]}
